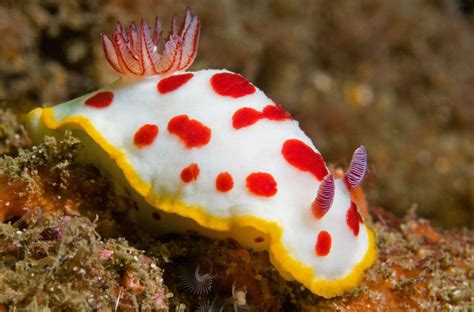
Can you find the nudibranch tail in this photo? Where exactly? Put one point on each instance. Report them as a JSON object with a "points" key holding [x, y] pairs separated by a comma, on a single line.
{"points": [[357, 169], [325, 196], [136, 51]]}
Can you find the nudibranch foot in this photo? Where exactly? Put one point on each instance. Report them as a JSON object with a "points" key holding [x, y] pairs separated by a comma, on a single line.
{"points": [[207, 152]]}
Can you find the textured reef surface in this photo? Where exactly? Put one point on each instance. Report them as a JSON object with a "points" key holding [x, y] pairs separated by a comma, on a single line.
{"points": [[68, 245]]}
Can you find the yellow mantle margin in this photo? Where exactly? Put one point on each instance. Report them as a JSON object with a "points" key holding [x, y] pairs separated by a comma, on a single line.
{"points": [[280, 257]]}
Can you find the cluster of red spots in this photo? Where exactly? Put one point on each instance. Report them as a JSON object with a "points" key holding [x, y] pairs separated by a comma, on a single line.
{"points": [[323, 244], [224, 182], [353, 219], [191, 132], [156, 216], [172, 83], [145, 135], [247, 116], [190, 173], [261, 184], [100, 100], [230, 84], [303, 157]]}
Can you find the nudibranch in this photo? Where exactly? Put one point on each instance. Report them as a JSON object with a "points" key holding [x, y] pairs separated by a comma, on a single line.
{"points": [[207, 152]]}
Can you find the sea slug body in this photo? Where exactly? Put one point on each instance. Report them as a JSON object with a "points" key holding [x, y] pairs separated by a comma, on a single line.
{"points": [[208, 152]]}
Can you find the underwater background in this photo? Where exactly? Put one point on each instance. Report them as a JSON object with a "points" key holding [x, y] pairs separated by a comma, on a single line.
{"points": [[395, 76]]}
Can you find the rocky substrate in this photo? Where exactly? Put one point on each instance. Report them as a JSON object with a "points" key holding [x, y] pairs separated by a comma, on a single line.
{"points": [[66, 244]]}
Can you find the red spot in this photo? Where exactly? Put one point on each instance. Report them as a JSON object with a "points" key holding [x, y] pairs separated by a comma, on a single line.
{"points": [[156, 216], [259, 240], [190, 173], [353, 218], [303, 157], [173, 82], [191, 132], [247, 116], [275, 112], [100, 100], [145, 135], [261, 184], [244, 117], [233, 85], [224, 182], [323, 244]]}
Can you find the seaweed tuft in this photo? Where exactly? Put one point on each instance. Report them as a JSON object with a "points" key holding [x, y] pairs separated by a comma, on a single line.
{"points": [[61, 263]]}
